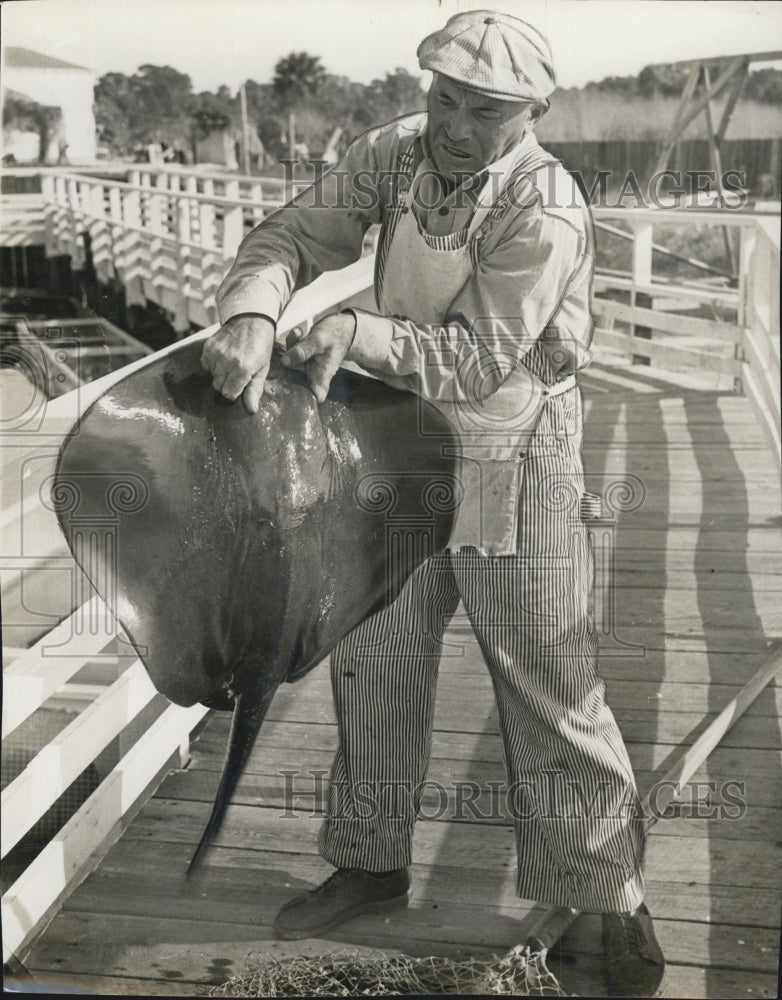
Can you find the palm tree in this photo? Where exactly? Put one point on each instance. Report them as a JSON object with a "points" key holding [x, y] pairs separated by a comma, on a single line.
{"points": [[296, 76]]}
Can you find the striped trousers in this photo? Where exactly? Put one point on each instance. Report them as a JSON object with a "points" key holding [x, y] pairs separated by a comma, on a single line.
{"points": [[579, 833]]}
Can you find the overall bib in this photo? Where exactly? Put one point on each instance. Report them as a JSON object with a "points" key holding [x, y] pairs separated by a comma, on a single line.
{"points": [[531, 614]]}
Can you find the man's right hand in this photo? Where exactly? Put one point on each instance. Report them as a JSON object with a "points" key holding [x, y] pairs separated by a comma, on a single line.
{"points": [[238, 358]]}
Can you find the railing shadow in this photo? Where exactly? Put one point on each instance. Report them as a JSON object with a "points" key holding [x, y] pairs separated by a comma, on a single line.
{"points": [[722, 477]]}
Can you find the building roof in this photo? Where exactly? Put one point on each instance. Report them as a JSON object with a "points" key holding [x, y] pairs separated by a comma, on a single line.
{"points": [[15, 55], [16, 95]]}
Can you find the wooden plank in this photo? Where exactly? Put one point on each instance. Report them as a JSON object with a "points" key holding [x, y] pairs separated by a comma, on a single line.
{"points": [[655, 436], [687, 983], [640, 575], [768, 418], [667, 322], [280, 744], [666, 355], [610, 282], [51, 981], [632, 687], [692, 414], [477, 756], [53, 872], [144, 946], [746, 614], [681, 981], [61, 761], [34, 677], [209, 953], [152, 883], [638, 726], [712, 807], [482, 846], [690, 537], [134, 942]]}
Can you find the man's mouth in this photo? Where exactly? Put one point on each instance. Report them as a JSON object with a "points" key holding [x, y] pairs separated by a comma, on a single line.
{"points": [[454, 151]]}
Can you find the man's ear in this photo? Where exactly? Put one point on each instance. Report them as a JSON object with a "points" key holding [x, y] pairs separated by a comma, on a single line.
{"points": [[538, 111]]}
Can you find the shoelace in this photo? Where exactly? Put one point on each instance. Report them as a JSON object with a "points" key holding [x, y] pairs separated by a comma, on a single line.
{"points": [[334, 880]]}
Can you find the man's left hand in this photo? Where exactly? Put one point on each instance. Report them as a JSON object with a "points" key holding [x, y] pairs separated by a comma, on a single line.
{"points": [[322, 351]]}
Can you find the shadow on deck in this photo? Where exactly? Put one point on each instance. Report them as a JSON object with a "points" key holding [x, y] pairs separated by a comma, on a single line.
{"points": [[697, 583]]}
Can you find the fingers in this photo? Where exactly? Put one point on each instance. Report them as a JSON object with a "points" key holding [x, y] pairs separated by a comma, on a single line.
{"points": [[319, 361], [301, 352], [235, 383], [254, 390], [238, 356], [321, 371]]}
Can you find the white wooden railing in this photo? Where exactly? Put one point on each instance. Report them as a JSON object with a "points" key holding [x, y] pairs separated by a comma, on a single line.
{"points": [[760, 269], [33, 676], [175, 240], [744, 346], [169, 234], [166, 234]]}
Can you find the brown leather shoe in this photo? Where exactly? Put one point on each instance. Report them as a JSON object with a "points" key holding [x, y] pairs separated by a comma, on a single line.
{"points": [[344, 895], [636, 965]]}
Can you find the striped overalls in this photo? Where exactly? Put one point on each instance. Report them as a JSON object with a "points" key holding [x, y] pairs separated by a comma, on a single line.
{"points": [[579, 836]]}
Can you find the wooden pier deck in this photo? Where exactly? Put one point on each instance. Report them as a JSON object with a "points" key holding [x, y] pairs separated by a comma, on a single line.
{"points": [[698, 582]]}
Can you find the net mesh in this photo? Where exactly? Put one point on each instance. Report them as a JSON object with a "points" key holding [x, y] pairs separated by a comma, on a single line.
{"points": [[521, 972]]}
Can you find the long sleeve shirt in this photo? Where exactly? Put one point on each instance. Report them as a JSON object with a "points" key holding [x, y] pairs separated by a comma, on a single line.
{"points": [[525, 302], [531, 283]]}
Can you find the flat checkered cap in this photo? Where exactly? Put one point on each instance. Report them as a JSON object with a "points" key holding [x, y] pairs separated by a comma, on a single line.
{"points": [[492, 53]]}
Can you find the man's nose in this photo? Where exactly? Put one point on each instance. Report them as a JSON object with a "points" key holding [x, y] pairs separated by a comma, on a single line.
{"points": [[458, 125]]}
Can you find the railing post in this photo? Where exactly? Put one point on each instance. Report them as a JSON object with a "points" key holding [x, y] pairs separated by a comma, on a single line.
{"points": [[73, 213], [642, 271], [184, 260], [206, 216], [115, 227], [748, 236], [156, 205], [233, 222], [99, 231], [642, 253], [50, 209], [211, 255], [134, 269], [256, 198]]}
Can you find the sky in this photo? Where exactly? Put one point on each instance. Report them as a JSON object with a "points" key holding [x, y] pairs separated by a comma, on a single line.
{"points": [[228, 41]]}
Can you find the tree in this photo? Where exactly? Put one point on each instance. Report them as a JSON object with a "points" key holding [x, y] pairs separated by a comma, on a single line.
{"points": [[666, 79], [113, 110], [296, 77], [213, 111], [765, 85], [627, 85], [26, 115], [400, 93], [153, 105], [165, 100]]}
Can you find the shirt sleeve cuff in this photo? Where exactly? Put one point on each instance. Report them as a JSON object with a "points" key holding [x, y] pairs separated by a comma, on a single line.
{"points": [[372, 340], [261, 301]]}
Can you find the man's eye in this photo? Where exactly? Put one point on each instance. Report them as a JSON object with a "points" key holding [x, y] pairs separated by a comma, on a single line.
{"points": [[488, 114], [446, 101]]}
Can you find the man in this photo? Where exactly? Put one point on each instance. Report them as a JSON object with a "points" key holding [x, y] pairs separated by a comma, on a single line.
{"points": [[483, 280]]}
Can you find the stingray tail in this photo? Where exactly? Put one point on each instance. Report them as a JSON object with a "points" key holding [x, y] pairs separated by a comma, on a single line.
{"points": [[247, 718]]}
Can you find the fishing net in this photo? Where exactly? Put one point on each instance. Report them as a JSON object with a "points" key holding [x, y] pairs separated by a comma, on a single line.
{"points": [[522, 971]]}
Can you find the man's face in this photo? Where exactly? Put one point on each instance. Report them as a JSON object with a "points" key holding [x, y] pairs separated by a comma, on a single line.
{"points": [[467, 131]]}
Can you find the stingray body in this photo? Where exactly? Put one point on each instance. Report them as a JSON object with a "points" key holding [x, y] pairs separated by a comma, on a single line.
{"points": [[248, 545]]}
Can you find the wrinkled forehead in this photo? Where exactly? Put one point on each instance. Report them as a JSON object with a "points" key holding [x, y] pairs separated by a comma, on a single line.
{"points": [[469, 98]]}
